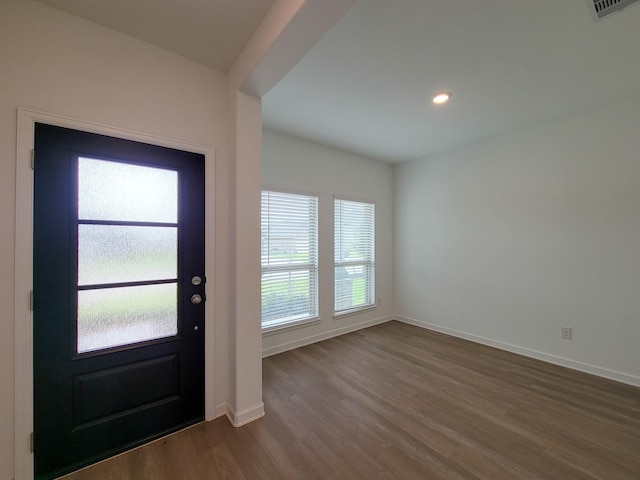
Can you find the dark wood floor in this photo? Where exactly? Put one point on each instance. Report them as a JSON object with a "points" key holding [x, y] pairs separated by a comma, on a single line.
{"points": [[398, 402]]}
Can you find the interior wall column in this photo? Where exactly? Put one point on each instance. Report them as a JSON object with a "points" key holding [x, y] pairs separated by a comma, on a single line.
{"points": [[246, 334]]}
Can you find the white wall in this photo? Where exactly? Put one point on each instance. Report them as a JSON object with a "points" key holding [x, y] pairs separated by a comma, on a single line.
{"points": [[60, 64], [507, 240], [292, 163]]}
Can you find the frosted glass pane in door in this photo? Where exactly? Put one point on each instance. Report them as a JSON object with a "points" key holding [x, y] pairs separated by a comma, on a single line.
{"points": [[118, 254], [121, 316], [124, 192]]}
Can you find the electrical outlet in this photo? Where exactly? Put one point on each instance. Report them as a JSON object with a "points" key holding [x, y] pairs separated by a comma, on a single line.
{"points": [[566, 333]]}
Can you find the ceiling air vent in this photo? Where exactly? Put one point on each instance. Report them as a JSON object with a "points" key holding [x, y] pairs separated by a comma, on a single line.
{"points": [[602, 8]]}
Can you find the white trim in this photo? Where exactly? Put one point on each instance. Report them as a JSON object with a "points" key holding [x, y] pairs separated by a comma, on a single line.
{"points": [[293, 191], [289, 325], [23, 384], [220, 410], [527, 352], [349, 198], [301, 342], [246, 416], [23, 274], [353, 311]]}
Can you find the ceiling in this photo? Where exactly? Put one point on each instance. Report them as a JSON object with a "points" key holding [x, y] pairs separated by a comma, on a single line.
{"points": [[211, 32], [366, 86]]}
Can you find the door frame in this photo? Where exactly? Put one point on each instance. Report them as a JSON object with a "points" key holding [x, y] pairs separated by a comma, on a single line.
{"points": [[23, 274]]}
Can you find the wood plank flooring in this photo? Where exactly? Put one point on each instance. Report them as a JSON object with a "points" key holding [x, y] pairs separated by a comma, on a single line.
{"points": [[398, 402]]}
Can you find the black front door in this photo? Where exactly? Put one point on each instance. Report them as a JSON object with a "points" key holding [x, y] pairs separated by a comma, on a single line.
{"points": [[118, 295]]}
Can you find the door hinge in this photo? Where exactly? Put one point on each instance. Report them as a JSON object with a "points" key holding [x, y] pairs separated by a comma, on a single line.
{"points": [[33, 159], [31, 442], [31, 300]]}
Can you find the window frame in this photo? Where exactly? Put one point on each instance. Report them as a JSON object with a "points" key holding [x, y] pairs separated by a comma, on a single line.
{"points": [[367, 264], [293, 321]]}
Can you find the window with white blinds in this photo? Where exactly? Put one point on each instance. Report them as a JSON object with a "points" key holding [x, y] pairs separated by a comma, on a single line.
{"points": [[289, 250], [354, 244]]}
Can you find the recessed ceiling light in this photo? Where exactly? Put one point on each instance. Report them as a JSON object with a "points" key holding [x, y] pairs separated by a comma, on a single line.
{"points": [[440, 98]]}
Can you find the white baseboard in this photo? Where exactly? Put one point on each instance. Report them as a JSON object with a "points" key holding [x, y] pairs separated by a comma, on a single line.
{"points": [[301, 342], [220, 410], [248, 415], [527, 352]]}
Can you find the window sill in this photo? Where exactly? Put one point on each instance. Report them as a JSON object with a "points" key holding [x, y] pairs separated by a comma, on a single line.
{"points": [[292, 325], [354, 311]]}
